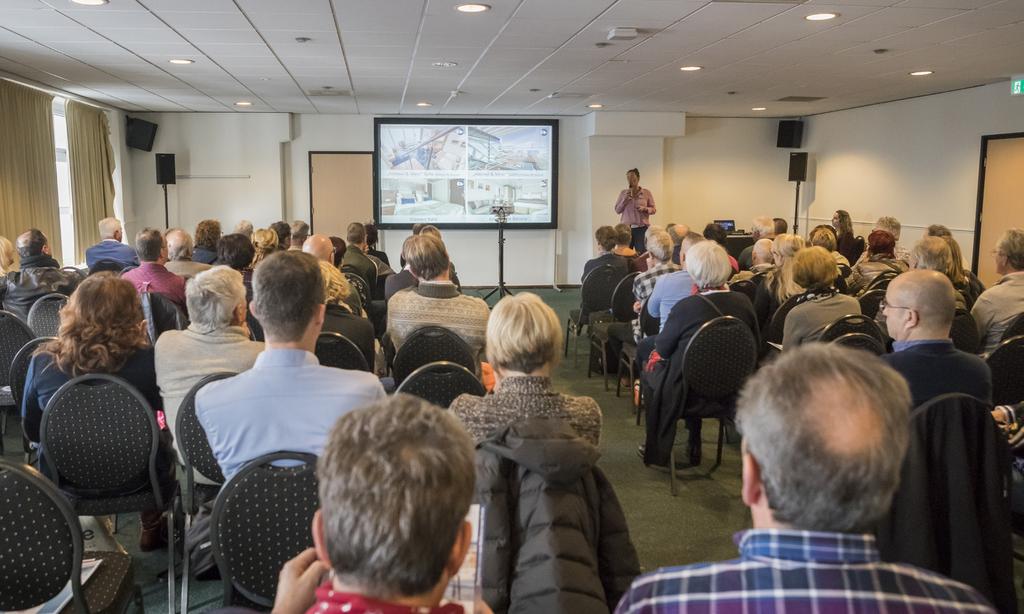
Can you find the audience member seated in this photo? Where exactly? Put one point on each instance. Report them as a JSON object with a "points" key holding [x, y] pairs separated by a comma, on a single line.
{"points": [[338, 315], [718, 234], [430, 229], [673, 287], [8, 256], [237, 251], [919, 308], [933, 254], [38, 275], [207, 235], [623, 239], [264, 243], [659, 263], [963, 278], [110, 246], [283, 230], [244, 228], [381, 267], [820, 304], [1000, 304], [298, 233], [824, 236], [781, 225], [606, 238], [320, 247], [101, 331], [708, 264], [354, 259], [850, 245], [340, 247], [403, 279], [152, 275], [435, 301], [396, 480], [216, 340], [179, 254], [778, 285], [825, 431], [287, 401], [880, 259], [892, 226], [677, 232], [761, 228], [760, 263], [524, 343], [372, 236]]}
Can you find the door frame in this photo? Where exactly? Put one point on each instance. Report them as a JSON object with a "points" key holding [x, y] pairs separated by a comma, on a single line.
{"points": [[985, 138], [309, 175]]}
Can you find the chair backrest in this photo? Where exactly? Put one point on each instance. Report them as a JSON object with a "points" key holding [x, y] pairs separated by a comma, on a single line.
{"points": [[100, 435], [440, 382], [881, 281], [255, 328], [745, 286], [598, 287], [43, 537], [623, 299], [869, 302], [1007, 365], [719, 358], [336, 350], [82, 273], [14, 334], [844, 270], [431, 344], [161, 315], [1015, 328], [19, 368], [44, 316], [191, 438], [107, 265], [649, 325], [964, 332], [776, 326], [861, 341], [262, 519], [358, 284], [851, 323]]}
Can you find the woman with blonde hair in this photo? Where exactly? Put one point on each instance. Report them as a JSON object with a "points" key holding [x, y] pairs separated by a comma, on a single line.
{"points": [[778, 284], [8, 256], [264, 241], [821, 303], [964, 280], [102, 330], [524, 339], [339, 316]]}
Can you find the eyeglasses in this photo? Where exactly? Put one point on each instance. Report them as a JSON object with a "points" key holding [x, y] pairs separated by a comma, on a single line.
{"points": [[883, 306]]}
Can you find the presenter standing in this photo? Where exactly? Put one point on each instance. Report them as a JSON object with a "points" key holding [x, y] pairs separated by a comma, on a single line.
{"points": [[635, 206]]}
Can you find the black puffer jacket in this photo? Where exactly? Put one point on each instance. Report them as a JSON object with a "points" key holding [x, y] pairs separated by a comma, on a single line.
{"points": [[555, 538]]}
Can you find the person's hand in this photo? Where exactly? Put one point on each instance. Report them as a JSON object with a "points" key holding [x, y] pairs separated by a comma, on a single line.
{"points": [[297, 582], [636, 306]]}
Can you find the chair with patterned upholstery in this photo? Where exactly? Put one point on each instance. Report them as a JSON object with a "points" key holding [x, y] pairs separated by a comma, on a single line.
{"points": [[336, 350], [870, 301], [99, 435], [596, 297], [45, 550], [717, 361], [851, 323], [111, 266], [440, 382], [360, 286], [776, 325], [44, 316], [746, 287], [1007, 365], [881, 281], [82, 273], [964, 332], [198, 458], [17, 376], [621, 310], [14, 334], [861, 341], [1015, 328], [260, 521], [431, 344]]}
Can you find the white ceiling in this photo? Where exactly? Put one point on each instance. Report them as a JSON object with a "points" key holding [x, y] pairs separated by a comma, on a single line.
{"points": [[379, 52]]}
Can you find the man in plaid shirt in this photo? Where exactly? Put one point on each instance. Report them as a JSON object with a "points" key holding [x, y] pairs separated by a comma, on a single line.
{"points": [[659, 252], [825, 431]]}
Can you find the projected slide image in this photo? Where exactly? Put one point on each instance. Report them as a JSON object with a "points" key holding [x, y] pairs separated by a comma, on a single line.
{"points": [[423, 148], [530, 198], [510, 148], [423, 197]]}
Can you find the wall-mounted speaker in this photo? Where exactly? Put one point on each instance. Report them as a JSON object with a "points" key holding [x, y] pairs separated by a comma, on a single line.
{"points": [[798, 166], [791, 134], [139, 134], [165, 169]]}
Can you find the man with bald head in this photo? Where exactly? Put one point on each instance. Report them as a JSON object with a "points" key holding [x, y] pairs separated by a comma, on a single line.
{"points": [[179, 254], [919, 307], [320, 247]]}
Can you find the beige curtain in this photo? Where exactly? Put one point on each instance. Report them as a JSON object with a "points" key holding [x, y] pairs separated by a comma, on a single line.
{"points": [[28, 164], [91, 159]]}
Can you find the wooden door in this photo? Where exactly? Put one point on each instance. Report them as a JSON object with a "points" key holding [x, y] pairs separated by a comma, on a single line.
{"points": [[1002, 201], [340, 190]]}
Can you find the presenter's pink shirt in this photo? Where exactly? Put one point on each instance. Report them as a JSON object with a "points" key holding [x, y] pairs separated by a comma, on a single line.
{"points": [[627, 207]]}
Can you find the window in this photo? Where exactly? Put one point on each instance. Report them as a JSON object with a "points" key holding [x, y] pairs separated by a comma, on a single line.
{"points": [[64, 200]]}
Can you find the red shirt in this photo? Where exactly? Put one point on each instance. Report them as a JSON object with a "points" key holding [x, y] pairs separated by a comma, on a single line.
{"points": [[330, 601], [153, 277]]}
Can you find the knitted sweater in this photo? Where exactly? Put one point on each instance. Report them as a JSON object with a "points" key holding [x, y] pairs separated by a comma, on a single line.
{"points": [[438, 304]]}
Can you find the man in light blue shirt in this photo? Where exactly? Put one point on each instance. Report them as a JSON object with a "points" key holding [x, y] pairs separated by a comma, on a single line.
{"points": [[110, 246], [287, 401], [673, 287]]}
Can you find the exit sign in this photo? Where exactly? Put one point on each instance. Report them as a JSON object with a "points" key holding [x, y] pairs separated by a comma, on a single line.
{"points": [[1017, 85]]}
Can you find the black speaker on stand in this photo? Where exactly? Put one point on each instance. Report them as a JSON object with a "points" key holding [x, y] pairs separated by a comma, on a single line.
{"points": [[165, 175], [797, 173]]}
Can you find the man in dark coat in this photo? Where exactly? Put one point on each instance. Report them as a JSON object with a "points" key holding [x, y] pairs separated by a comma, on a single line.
{"points": [[40, 275]]}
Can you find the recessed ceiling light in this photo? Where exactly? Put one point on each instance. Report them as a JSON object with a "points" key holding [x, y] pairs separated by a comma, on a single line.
{"points": [[182, 61], [596, 105], [243, 103], [473, 7], [91, 2], [821, 16], [921, 73], [424, 103], [690, 68], [759, 109], [445, 64]]}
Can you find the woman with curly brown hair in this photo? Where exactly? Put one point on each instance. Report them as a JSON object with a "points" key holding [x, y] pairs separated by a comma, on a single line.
{"points": [[207, 235], [102, 330]]}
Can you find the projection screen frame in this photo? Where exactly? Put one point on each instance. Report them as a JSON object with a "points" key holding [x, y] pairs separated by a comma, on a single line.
{"points": [[480, 121]]}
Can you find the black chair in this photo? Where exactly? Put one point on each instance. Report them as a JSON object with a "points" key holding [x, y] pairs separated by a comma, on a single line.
{"points": [[844, 270], [45, 550], [776, 326], [861, 341], [359, 285], [255, 328], [621, 311], [161, 315], [719, 358], [99, 435], [111, 266], [261, 520], [627, 357], [17, 376], [198, 457], [596, 295], [851, 323], [431, 344], [870, 302], [745, 286], [44, 316], [881, 281], [14, 334], [335, 350], [964, 332], [441, 382], [1007, 365], [1015, 328]]}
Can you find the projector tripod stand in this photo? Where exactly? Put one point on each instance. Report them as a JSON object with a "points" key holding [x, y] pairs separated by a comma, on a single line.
{"points": [[501, 217]]}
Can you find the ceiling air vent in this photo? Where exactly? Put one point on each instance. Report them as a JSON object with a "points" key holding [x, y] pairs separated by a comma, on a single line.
{"points": [[327, 92], [800, 99], [568, 95]]}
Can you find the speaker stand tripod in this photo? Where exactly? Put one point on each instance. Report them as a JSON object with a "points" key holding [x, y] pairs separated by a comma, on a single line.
{"points": [[796, 210], [167, 210], [500, 216]]}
